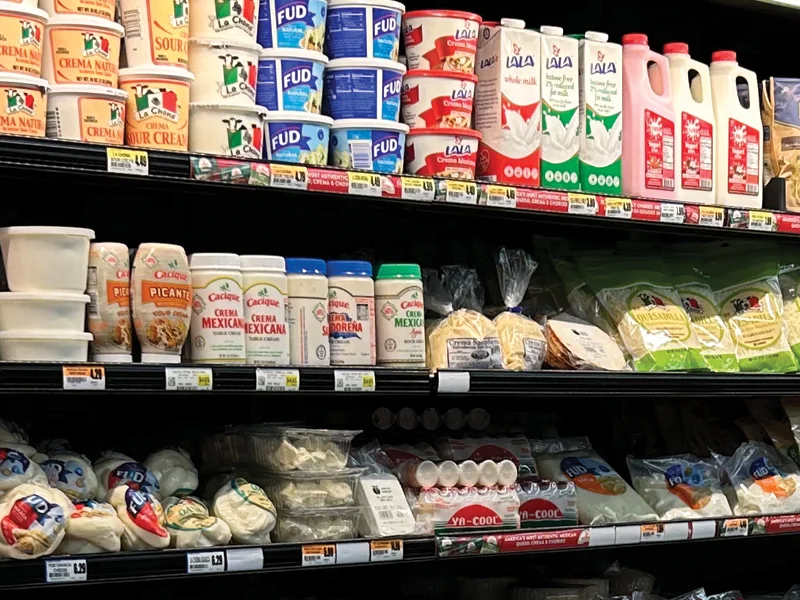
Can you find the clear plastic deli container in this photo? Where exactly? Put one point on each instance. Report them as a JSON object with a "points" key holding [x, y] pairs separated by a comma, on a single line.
{"points": [[226, 448], [317, 524], [299, 449], [307, 489]]}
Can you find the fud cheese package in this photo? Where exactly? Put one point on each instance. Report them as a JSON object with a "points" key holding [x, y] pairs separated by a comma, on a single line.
{"points": [[17, 468], [33, 521], [114, 469], [174, 470], [247, 511], [763, 481], [191, 526], [603, 496], [142, 516], [72, 473], [93, 527]]}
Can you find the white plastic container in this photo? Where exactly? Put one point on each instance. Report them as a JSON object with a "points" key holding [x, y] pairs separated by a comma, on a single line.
{"points": [[419, 474], [297, 137], [445, 40], [156, 32], [368, 145], [227, 129], [87, 113], [24, 311], [27, 3], [506, 472], [216, 332], [266, 302], [442, 153], [740, 145], [438, 99], [291, 80], [105, 9], [21, 38], [224, 19], [694, 126], [109, 313], [489, 473], [43, 346], [363, 88], [26, 100], [224, 71], [448, 474], [400, 319], [351, 312], [308, 312], [364, 29], [469, 473], [46, 259]]}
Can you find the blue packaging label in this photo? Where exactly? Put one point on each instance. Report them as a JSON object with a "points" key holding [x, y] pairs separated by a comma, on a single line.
{"points": [[368, 149], [294, 85], [304, 143], [367, 93], [292, 24], [363, 32]]}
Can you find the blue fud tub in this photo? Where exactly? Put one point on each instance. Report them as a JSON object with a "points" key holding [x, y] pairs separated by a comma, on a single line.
{"points": [[297, 137], [297, 24], [364, 29], [363, 88], [368, 145], [290, 80]]}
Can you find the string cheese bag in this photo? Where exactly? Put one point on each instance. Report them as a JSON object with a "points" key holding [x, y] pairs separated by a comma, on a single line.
{"points": [[522, 341], [142, 516], [463, 338], [247, 511], [574, 344], [763, 480], [33, 521], [603, 496], [680, 487], [93, 527], [175, 471], [191, 526], [789, 281], [638, 294], [72, 473]]}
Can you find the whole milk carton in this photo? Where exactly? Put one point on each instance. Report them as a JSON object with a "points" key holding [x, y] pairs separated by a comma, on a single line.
{"points": [[508, 103]]}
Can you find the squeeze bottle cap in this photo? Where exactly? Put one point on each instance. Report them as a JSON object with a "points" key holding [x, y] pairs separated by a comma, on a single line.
{"points": [[306, 266], [210, 260], [723, 55], [634, 38], [676, 48], [399, 271], [253, 262], [357, 268], [596, 36]]}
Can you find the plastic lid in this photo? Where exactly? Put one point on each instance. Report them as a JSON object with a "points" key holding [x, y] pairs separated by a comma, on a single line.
{"points": [[550, 30], [301, 117], [85, 22], [89, 90], [76, 231], [723, 55], [353, 268], [245, 108], [210, 260], [112, 358], [156, 73], [369, 124], [634, 38], [169, 359], [306, 266], [16, 79], [443, 75], [446, 14], [43, 297], [254, 262], [214, 43], [42, 334], [513, 23], [399, 271], [294, 54], [366, 63], [29, 11], [596, 36], [676, 48], [449, 131], [383, 3]]}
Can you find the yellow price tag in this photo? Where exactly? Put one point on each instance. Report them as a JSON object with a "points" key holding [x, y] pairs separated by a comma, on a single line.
{"points": [[126, 161], [712, 216], [461, 192], [501, 196], [277, 380], [582, 204], [620, 208], [354, 381], [204, 380], [416, 188], [761, 221], [289, 176], [292, 381], [368, 381], [364, 184]]}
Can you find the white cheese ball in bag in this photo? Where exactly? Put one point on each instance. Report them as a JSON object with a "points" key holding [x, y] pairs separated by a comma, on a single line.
{"points": [[93, 527], [114, 469], [142, 516], [175, 471], [17, 468], [191, 526], [763, 480], [72, 473], [247, 511], [33, 521]]}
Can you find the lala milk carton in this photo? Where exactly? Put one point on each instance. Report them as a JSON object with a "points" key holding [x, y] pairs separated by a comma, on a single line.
{"points": [[560, 118], [600, 72], [508, 103]]}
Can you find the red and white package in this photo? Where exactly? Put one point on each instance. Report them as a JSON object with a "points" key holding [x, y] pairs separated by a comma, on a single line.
{"points": [[432, 99], [517, 450], [448, 153], [441, 40]]}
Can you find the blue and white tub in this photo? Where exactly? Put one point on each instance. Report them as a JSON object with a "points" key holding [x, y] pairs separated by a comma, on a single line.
{"points": [[297, 137], [364, 29], [368, 145], [290, 80], [297, 24], [363, 88]]}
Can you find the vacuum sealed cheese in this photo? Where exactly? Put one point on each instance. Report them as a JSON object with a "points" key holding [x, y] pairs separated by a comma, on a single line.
{"points": [[33, 521], [574, 344], [142, 516], [114, 469], [789, 281], [72, 473], [175, 471], [247, 511], [522, 341], [603, 496], [680, 487], [17, 468], [191, 526], [93, 527], [763, 480]]}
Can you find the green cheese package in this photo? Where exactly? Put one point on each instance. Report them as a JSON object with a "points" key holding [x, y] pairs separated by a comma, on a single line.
{"points": [[789, 280]]}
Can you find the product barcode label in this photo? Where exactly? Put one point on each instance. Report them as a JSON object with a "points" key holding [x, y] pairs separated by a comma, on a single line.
{"points": [[386, 550], [501, 196], [752, 188], [132, 21], [354, 381], [582, 204], [205, 562], [461, 192], [364, 184], [706, 184], [64, 571], [733, 528], [652, 532], [84, 378], [127, 162], [319, 555], [189, 380], [51, 124], [288, 176], [277, 380], [619, 208], [760, 221], [416, 188], [672, 213], [712, 216]]}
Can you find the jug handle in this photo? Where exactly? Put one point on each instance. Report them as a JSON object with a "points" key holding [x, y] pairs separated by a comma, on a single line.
{"points": [[663, 66], [705, 78], [752, 84]]}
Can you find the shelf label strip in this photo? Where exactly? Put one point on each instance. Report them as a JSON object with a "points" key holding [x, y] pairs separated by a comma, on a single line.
{"points": [[199, 563], [319, 555], [386, 550], [189, 379], [244, 559], [354, 381], [84, 378], [66, 571], [277, 380], [127, 162]]}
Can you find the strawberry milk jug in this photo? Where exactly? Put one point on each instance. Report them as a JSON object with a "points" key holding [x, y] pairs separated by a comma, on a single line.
{"points": [[648, 123], [739, 142], [694, 126]]}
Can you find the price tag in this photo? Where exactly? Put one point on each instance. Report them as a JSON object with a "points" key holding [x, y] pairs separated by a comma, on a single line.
{"points": [[277, 380], [619, 208], [672, 213], [712, 216], [354, 381], [84, 378], [760, 221], [189, 380], [653, 532], [65, 571], [127, 162], [319, 555], [205, 562], [289, 176], [501, 196], [733, 528], [364, 184], [386, 550], [582, 204], [461, 192], [416, 188]]}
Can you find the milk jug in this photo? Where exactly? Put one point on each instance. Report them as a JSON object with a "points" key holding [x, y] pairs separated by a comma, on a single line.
{"points": [[695, 126], [739, 141], [648, 123]]}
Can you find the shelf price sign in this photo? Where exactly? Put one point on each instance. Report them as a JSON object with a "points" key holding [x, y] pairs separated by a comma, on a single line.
{"points": [[733, 528], [127, 162], [582, 204], [189, 380], [84, 378], [761, 221], [461, 192], [319, 555], [354, 381], [205, 562], [364, 184], [712, 216], [672, 213], [385, 550], [500, 196], [619, 208], [277, 380], [291, 177], [417, 188], [66, 571]]}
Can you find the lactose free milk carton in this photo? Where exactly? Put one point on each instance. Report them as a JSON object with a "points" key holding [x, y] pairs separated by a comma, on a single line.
{"points": [[508, 103]]}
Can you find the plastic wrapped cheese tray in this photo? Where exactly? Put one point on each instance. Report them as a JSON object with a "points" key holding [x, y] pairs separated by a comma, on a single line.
{"points": [[309, 489], [317, 524], [298, 448], [227, 448]]}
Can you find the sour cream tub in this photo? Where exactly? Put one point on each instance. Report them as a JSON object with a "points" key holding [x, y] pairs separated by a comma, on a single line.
{"points": [[25, 311], [297, 137], [227, 129], [225, 72], [364, 29], [156, 32], [82, 50], [105, 9], [438, 99], [157, 114], [363, 88], [441, 40], [232, 20], [87, 113], [368, 145], [291, 80], [21, 39], [442, 152], [296, 24], [45, 346], [25, 99]]}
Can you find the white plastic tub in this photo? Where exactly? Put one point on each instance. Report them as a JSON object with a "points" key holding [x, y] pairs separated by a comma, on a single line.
{"points": [[363, 88], [20, 311], [43, 346], [438, 99], [227, 130], [297, 137], [21, 38], [442, 152], [364, 29], [105, 9], [82, 50], [156, 33], [25, 101], [46, 259], [87, 113], [368, 145], [441, 40], [291, 79], [224, 71], [224, 20]]}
